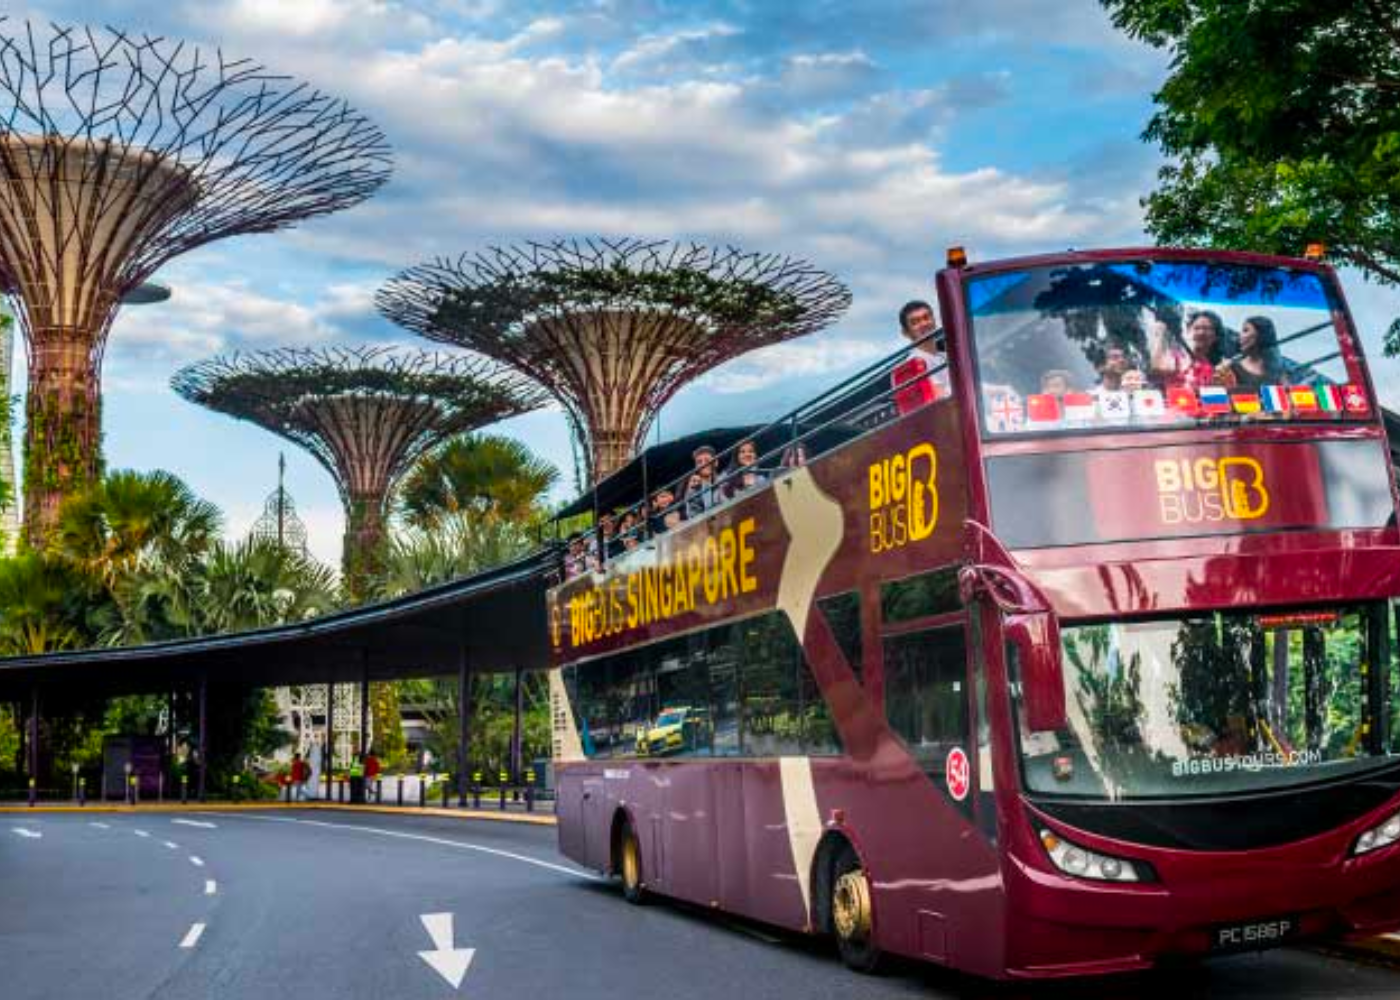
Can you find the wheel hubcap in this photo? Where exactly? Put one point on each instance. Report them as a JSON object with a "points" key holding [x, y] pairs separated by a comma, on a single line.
{"points": [[850, 906], [630, 866]]}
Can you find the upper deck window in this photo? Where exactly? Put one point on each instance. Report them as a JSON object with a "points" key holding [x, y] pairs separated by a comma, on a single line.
{"points": [[1145, 344]]}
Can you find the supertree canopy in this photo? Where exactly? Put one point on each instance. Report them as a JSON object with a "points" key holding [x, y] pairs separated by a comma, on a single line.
{"points": [[366, 414], [117, 153], [613, 328]]}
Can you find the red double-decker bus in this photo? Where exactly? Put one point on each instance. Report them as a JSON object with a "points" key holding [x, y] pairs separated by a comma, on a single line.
{"points": [[1084, 664]]}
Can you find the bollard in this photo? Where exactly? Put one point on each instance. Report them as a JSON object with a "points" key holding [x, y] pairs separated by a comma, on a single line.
{"points": [[476, 789], [446, 789], [82, 791], [530, 790], [236, 790], [504, 778], [33, 792], [379, 791], [135, 790], [184, 788], [399, 791], [160, 787], [287, 787], [422, 790], [340, 795]]}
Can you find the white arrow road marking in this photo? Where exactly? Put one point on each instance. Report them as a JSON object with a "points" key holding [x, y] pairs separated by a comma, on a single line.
{"points": [[194, 822], [31, 834], [448, 962], [197, 861], [140, 833], [171, 844], [210, 887], [192, 935], [100, 826]]}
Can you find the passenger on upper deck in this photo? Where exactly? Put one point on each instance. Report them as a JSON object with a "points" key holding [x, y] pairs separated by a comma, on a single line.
{"points": [[744, 474], [917, 324], [1259, 362], [700, 493], [1120, 370], [1193, 366], [665, 512], [1056, 382], [630, 530]]}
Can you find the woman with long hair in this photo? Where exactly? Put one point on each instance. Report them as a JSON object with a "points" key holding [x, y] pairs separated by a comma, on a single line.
{"points": [[1259, 361]]}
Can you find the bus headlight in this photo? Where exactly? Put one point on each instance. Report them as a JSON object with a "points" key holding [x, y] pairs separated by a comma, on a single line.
{"points": [[1081, 862], [1381, 835]]}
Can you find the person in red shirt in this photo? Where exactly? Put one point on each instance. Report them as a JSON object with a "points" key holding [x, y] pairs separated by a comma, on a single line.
{"points": [[299, 773]]}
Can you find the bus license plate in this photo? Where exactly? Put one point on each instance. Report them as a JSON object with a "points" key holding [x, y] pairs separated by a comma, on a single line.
{"points": [[1254, 935]]}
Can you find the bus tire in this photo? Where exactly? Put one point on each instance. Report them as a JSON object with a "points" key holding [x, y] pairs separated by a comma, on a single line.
{"points": [[852, 913], [629, 865]]}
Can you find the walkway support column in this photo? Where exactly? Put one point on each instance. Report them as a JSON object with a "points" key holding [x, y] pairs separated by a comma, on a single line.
{"points": [[34, 732], [515, 736], [463, 715], [364, 702], [328, 751], [203, 733]]}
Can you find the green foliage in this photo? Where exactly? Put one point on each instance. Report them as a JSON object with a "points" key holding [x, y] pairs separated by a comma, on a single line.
{"points": [[458, 545], [487, 476], [492, 720], [41, 604], [1283, 122]]}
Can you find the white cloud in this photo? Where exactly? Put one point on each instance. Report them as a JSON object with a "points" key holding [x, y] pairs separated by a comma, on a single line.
{"points": [[797, 359]]}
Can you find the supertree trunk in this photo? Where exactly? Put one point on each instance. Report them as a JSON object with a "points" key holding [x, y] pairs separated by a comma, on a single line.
{"points": [[62, 432], [366, 542]]}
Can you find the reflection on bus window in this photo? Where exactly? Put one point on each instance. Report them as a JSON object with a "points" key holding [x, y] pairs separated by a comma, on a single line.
{"points": [[735, 689], [1146, 343], [1212, 704]]}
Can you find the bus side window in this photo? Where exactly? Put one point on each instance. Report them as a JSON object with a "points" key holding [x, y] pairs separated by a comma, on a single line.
{"points": [[926, 694]]}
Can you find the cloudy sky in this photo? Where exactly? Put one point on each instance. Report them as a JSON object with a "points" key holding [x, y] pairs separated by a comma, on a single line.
{"points": [[865, 137]]}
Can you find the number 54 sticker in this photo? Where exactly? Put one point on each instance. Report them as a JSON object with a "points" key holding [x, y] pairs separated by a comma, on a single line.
{"points": [[958, 773]]}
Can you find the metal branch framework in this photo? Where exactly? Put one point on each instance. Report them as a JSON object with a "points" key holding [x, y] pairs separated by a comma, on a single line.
{"points": [[366, 414], [118, 152], [613, 328]]}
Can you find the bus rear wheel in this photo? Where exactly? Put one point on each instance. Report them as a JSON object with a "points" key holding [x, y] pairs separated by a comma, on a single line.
{"points": [[852, 913], [629, 865]]}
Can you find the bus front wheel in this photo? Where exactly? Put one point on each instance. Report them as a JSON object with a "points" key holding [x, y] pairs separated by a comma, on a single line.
{"points": [[630, 866], [852, 913]]}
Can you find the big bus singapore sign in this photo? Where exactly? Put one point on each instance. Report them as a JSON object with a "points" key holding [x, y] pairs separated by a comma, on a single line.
{"points": [[886, 486]]}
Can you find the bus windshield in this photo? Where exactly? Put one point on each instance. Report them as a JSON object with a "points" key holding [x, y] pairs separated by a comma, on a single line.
{"points": [[1144, 343], [1212, 704]]}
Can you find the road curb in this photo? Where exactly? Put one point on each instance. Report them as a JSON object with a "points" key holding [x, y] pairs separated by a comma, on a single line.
{"points": [[533, 819]]}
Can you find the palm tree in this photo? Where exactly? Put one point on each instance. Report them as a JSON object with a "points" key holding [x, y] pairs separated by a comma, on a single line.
{"points": [[491, 477], [135, 521], [255, 583], [455, 546], [40, 605]]}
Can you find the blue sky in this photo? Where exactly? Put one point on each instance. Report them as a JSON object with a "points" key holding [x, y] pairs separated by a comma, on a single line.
{"points": [[864, 137]]}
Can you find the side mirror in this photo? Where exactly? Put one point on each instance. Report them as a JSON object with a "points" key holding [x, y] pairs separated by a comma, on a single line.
{"points": [[1037, 639]]}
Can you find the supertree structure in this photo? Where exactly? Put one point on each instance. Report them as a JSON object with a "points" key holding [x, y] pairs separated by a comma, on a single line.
{"points": [[366, 414], [613, 328], [118, 152]]}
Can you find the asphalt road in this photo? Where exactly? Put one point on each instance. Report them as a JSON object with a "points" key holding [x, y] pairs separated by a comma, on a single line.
{"points": [[312, 905]]}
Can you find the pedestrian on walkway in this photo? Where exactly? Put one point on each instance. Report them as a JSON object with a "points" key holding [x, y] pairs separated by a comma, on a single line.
{"points": [[300, 772]]}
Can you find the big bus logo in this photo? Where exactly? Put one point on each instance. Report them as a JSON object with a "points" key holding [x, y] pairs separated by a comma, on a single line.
{"points": [[903, 498], [1192, 491]]}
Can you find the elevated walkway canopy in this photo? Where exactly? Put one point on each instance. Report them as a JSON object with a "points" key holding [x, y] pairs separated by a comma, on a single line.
{"points": [[492, 621]]}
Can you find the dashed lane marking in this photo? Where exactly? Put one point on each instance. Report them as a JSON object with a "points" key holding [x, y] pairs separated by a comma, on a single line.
{"points": [[423, 838], [195, 822], [28, 834], [101, 826], [192, 936], [141, 833], [210, 887], [171, 844], [197, 861]]}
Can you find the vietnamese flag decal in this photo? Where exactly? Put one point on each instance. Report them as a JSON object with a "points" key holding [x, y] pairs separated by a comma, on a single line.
{"points": [[1042, 408], [1183, 400], [1354, 399]]}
